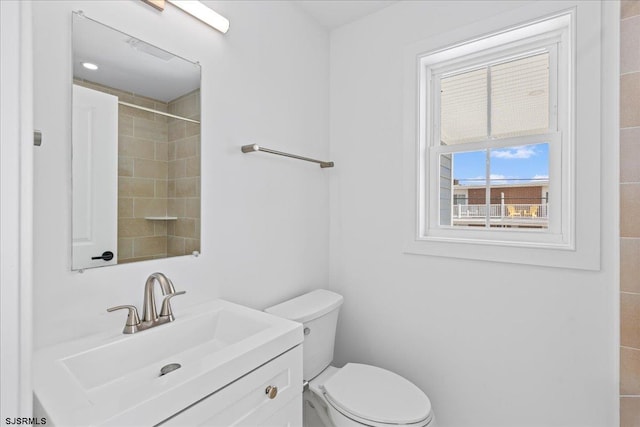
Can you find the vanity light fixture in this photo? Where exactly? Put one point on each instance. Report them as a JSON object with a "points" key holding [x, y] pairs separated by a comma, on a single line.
{"points": [[196, 9], [203, 13], [90, 66]]}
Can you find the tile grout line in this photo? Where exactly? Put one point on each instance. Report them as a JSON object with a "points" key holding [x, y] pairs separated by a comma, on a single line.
{"points": [[626, 73]]}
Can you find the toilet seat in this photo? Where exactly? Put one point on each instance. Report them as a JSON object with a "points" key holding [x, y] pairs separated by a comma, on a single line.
{"points": [[376, 397], [369, 423]]}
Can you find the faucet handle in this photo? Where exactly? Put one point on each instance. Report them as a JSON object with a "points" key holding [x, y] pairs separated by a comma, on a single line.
{"points": [[132, 318], [165, 311]]}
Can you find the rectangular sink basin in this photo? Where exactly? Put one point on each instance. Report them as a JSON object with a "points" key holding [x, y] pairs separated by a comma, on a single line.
{"points": [[114, 379], [209, 332]]}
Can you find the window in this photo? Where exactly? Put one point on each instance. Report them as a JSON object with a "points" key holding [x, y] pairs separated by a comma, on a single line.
{"points": [[507, 108], [495, 120], [505, 123], [459, 199]]}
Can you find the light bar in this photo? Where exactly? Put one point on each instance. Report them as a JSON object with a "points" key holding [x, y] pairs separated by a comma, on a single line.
{"points": [[203, 13]]}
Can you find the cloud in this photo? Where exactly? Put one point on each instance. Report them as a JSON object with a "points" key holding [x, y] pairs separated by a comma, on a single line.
{"points": [[523, 152], [492, 177], [541, 177], [481, 180], [500, 179]]}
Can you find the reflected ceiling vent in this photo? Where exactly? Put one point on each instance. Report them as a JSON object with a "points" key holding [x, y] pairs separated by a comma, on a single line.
{"points": [[149, 49]]}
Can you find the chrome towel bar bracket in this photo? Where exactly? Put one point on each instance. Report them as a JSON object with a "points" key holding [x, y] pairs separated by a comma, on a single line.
{"points": [[255, 147]]}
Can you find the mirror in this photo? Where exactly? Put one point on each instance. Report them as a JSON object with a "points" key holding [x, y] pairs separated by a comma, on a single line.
{"points": [[135, 149]]}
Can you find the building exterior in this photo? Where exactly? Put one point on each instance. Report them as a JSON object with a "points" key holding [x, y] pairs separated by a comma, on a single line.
{"points": [[522, 205]]}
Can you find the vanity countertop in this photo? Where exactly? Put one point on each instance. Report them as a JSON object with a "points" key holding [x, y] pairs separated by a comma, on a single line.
{"points": [[113, 379]]}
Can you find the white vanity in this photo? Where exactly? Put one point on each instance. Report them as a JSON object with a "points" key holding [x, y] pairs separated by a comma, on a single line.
{"points": [[217, 364], [238, 366]]}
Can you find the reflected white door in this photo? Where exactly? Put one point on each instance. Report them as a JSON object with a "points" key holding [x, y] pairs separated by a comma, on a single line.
{"points": [[95, 178]]}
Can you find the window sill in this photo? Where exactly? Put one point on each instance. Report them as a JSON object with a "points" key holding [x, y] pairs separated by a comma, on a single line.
{"points": [[547, 254]]}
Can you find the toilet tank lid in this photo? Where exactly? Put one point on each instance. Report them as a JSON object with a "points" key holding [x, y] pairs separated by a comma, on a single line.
{"points": [[308, 306]]}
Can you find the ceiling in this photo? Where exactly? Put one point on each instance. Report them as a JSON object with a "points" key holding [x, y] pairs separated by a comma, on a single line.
{"points": [[129, 64], [334, 13]]}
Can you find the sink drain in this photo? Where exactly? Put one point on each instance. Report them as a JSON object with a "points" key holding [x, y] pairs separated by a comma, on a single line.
{"points": [[169, 368]]}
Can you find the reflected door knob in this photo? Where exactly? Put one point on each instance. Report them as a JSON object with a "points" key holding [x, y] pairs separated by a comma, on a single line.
{"points": [[106, 255]]}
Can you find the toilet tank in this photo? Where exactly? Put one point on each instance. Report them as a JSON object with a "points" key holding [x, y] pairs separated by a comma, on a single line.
{"points": [[318, 312]]}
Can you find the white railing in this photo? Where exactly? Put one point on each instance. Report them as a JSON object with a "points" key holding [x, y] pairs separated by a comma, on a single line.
{"points": [[506, 210]]}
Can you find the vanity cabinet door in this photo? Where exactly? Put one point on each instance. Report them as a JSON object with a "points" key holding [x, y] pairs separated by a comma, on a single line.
{"points": [[245, 402], [289, 416]]}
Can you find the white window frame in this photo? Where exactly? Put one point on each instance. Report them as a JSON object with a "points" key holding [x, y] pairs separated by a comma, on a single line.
{"points": [[579, 125], [550, 36]]}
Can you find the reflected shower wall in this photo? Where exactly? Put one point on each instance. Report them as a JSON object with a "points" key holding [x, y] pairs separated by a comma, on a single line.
{"points": [[158, 176]]}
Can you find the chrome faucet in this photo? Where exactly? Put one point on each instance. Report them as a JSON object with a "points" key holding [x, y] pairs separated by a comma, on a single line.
{"points": [[149, 313], [150, 316]]}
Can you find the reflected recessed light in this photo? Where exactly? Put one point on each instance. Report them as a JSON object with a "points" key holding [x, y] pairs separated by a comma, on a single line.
{"points": [[90, 66]]}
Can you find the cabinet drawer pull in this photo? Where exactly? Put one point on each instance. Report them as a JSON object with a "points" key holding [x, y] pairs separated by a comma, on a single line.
{"points": [[271, 391]]}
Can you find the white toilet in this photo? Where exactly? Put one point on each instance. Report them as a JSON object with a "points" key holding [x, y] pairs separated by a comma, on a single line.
{"points": [[357, 394]]}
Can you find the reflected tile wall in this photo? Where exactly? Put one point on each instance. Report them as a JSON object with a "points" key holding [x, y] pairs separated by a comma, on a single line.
{"points": [[142, 176], [184, 176]]}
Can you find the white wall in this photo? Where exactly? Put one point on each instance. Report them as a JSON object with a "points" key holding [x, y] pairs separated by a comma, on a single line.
{"points": [[492, 344], [16, 208], [264, 218]]}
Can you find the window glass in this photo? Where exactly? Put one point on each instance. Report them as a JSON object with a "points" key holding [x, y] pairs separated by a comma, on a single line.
{"points": [[519, 101], [519, 185], [518, 188], [459, 199], [463, 107], [520, 97], [467, 171]]}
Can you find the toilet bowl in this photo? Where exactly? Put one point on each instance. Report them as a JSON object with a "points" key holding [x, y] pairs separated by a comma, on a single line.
{"points": [[355, 395]]}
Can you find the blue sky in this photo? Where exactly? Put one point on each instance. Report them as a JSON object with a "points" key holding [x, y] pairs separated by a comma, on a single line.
{"points": [[510, 164]]}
